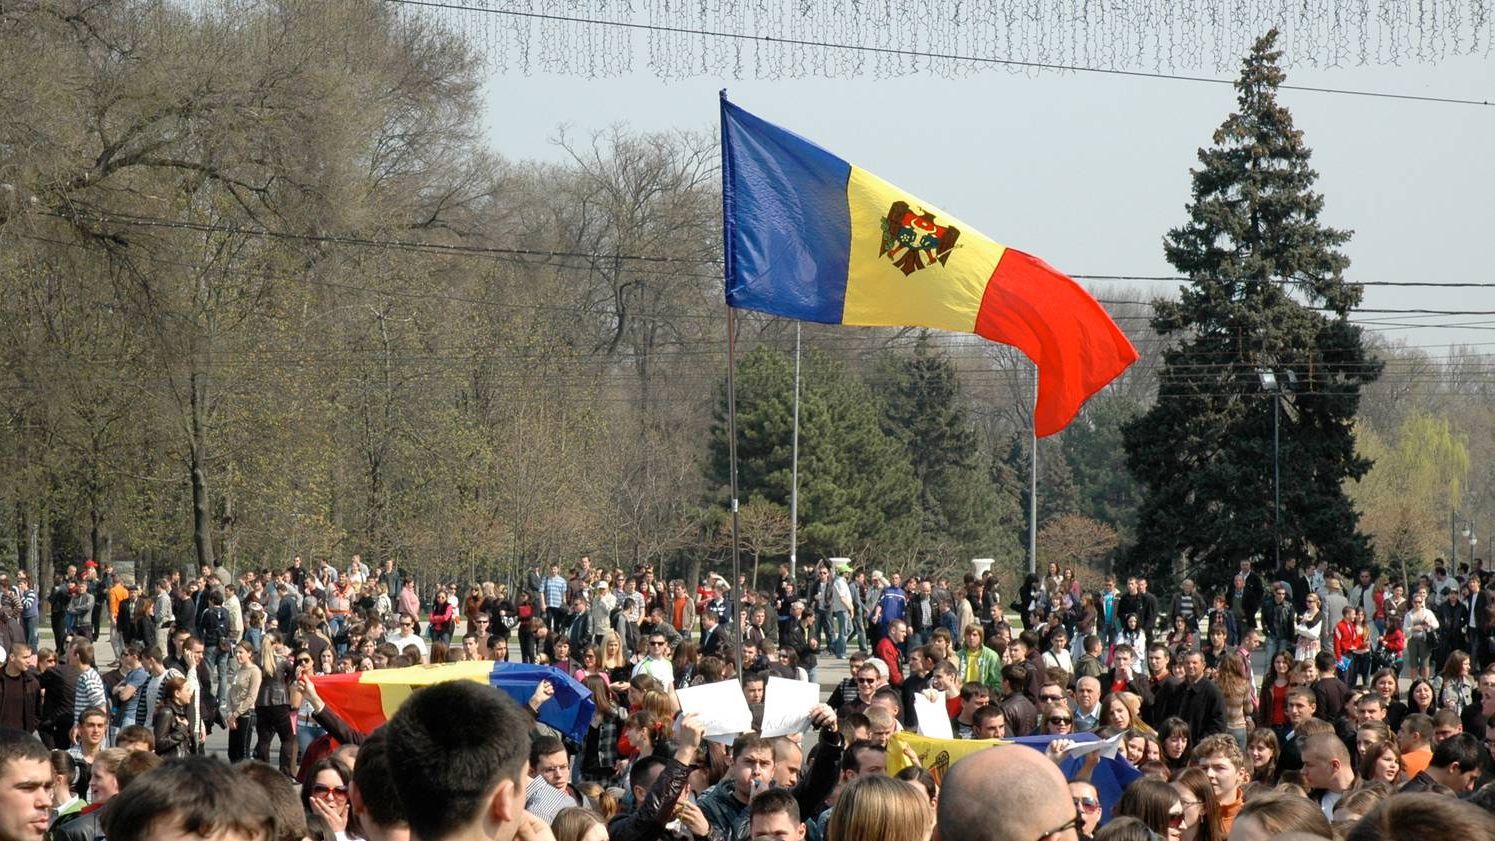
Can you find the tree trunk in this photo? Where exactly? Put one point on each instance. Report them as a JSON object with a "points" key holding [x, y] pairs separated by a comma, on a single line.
{"points": [[202, 524]]}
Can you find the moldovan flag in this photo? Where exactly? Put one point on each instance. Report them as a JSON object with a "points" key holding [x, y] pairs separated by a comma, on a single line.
{"points": [[367, 699], [1110, 774], [812, 237]]}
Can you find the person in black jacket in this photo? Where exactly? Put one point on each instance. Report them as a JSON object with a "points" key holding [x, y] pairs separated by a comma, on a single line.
{"points": [[1199, 701], [20, 692], [175, 734], [59, 682], [657, 784]]}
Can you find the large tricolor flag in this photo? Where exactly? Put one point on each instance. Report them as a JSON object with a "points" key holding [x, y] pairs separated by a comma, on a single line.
{"points": [[812, 237], [367, 699]]}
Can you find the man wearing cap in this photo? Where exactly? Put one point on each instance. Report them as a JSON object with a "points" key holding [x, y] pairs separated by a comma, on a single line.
{"points": [[841, 606]]}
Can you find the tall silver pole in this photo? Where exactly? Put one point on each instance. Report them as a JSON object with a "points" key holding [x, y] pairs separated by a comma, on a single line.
{"points": [[735, 603], [1033, 487], [794, 472]]}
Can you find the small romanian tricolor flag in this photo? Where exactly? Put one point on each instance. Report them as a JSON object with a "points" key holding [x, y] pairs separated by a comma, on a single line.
{"points": [[367, 699], [811, 237]]}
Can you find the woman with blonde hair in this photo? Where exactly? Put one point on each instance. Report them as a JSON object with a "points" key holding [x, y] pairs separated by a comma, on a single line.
{"points": [[1122, 711], [880, 809], [578, 824], [614, 661]]}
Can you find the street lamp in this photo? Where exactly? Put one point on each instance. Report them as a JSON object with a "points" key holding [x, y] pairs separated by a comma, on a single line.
{"points": [[1275, 387], [1460, 526]]}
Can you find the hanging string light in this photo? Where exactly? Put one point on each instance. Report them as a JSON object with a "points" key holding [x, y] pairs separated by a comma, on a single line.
{"points": [[777, 39]]}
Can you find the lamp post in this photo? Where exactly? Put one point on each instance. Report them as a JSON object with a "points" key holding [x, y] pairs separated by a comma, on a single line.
{"points": [[1275, 387], [1460, 526]]}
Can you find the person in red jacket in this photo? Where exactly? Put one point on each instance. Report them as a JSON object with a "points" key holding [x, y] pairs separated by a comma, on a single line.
{"points": [[888, 650]]}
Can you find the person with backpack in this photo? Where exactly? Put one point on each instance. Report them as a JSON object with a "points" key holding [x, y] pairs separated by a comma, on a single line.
{"points": [[217, 641]]}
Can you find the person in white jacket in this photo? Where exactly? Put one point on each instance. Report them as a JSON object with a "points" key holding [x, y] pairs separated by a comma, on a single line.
{"points": [[1419, 624]]}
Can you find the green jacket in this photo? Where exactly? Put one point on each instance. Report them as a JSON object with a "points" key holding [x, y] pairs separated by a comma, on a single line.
{"points": [[988, 667]]}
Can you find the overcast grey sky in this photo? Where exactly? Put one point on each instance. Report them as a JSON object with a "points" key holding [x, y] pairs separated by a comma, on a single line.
{"points": [[1088, 171]]}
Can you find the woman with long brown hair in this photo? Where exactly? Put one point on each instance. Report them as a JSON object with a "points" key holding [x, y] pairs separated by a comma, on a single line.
{"points": [[1235, 687], [1201, 806]]}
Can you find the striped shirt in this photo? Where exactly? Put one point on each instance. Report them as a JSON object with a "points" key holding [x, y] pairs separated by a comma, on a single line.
{"points": [[89, 693]]}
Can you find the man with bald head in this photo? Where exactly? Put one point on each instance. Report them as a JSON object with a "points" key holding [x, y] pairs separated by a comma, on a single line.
{"points": [[1006, 793]]}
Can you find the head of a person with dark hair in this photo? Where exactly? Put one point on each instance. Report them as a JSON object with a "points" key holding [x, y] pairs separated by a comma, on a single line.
{"points": [[285, 805], [1423, 815], [1014, 781], [25, 786], [374, 798], [458, 752], [775, 814], [1456, 762], [187, 797]]}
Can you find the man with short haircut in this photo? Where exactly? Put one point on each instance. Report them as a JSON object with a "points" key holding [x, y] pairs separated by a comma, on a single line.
{"points": [[989, 722], [458, 752], [25, 787], [775, 814], [888, 649], [1022, 714], [1327, 770], [549, 789], [1454, 767], [656, 662], [1161, 685], [92, 730], [1014, 781], [20, 692], [973, 696], [1086, 704], [407, 636], [180, 798], [1475, 715], [1415, 741], [89, 692], [1446, 725], [1300, 704], [752, 771], [1220, 758]]}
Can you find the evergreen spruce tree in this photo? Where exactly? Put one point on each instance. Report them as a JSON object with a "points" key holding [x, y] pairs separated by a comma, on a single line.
{"points": [[1266, 291], [959, 509], [857, 495]]}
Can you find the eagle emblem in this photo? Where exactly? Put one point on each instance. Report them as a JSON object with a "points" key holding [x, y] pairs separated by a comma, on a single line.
{"points": [[913, 241]]}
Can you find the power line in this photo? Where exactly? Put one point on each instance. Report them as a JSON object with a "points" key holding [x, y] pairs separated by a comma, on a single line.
{"points": [[893, 51], [409, 245]]}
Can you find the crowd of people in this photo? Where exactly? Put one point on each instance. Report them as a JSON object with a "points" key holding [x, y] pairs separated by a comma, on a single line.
{"points": [[1377, 724]]}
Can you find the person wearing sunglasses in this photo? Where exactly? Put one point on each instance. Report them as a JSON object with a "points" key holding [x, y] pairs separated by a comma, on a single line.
{"points": [[1057, 720], [1156, 804], [324, 796], [1016, 782], [1087, 803]]}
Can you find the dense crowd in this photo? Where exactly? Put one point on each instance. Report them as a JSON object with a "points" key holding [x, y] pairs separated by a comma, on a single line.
{"points": [[1374, 716]]}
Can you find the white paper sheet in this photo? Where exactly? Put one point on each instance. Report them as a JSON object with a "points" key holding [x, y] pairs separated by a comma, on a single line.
{"points": [[932, 717], [722, 707], [786, 706], [1106, 747]]}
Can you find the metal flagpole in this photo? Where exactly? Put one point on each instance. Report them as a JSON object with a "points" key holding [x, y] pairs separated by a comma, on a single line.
{"points": [[1033, 487], [735, 603], [794, 472]]}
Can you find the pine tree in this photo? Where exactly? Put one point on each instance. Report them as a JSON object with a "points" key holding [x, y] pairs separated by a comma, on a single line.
{"points": [[856, 489], [1266, 291], [959, 508]]}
